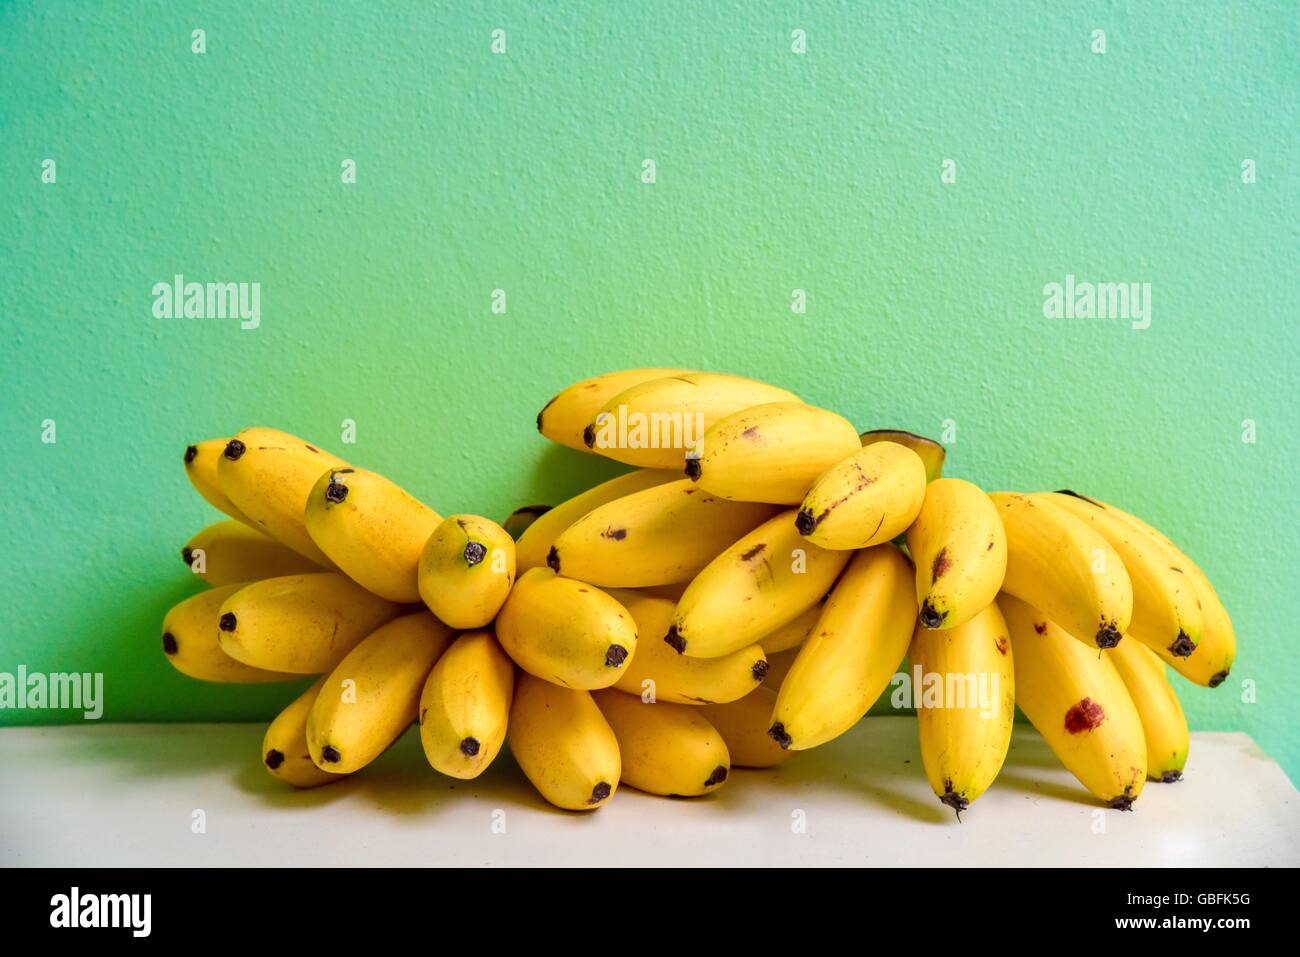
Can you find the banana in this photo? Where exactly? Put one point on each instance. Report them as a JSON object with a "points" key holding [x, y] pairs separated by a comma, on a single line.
{"points": [[372, 696], [965, 719], [859, 641], [1060, 565], [565, 631], [563, 744], [758, 584], [960, 551], [201, 468], [1163, 724], [792, 634], [284, 748], [535, 543], [268, 475], [1165, 612], [466, 704], [658, 536], [302, 624], [371, 528], [667, 749], [778, 668], [1077, 701], [657, 673], [229, 551], [930, 451], [772, 452], [743, 725], [466, 570], [654, 424], [564, 418], [519, 521], [868, 498], [189, 641]]}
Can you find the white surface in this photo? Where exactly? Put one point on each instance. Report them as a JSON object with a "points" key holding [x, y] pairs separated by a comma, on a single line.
{"points": [[124, 795]]}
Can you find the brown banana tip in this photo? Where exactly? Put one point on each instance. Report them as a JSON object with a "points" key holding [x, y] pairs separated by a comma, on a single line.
{"points": [[778, 734], [190, 452], [330, 754], [169, 643], [475, 552], [235, 450], [1108, 636], [187, 554], [336, 491], [600, 792], [589, 436], [675, 641], [553, 560], [1170, 777], [1124, 802], [1182, 646], [615, 656], [227, 622], [274, 759], [693, 469], [954, 800], [1219, 678], [805, 521], [930, 616], [759, 671], [469, 747], [717, 777]]}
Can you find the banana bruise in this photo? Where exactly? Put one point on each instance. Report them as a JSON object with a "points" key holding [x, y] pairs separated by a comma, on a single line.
{"points": [[201, 469], [659, 536], [189, 642], [666, 749], [857, 646], [930, 451], [371, 528], [466, 570], [284, 747], [869, 498], [563, 744], [229, 551], [566, 416], [1164, 725], [743, 725], [465, 706], [960, 549], [372, 696], [771, 453]]}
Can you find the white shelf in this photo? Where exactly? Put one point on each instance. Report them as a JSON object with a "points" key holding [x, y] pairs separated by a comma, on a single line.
{"points": [[124, 795]]}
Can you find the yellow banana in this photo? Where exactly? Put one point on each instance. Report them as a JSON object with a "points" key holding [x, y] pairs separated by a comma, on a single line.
{"points": [[466, 570], [757, 585], [855, 649], [229, 551], [1077, 701], [965, 704], [743, 725], [201, 468], [792, 634], [654, 424], [658, 536], [657, 673], [564, 418], [566, 631], [522, 518], [1062, 566], [868, 498], [372, 696], [667, 749], [960, 551], [930, 451], [535, 543], [302, 624], [563, 744], [189, 641], [772, 452], [1163, 724], [268, 475], [284, 748], [372, 529], [466, 704], [778, 668]]}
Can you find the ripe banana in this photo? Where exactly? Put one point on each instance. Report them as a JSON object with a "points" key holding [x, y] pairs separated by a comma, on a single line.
{"points": [[743, 725], [658, 536], [667, 749], [372, 696], [563, 744], [778, 668], [1059, 564], [757, 585], [859, 641], [519, 521], [564, 418], [868, 498], [1163, 724], [229, 551], [930, 451], [1077, 701], [284, 748], [771, 453], [792, 634], [965, 705], [201, 468], [466, 704], [302, 624], [535, 543], [960, 551], [657, 673], [189, 640], [466, 570], [268, 475], [1165, 613], [566, 631], [372, 529], [654, 424]]}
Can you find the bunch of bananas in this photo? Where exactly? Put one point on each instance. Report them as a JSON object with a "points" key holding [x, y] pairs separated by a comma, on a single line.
{"points": [[747, 592]]}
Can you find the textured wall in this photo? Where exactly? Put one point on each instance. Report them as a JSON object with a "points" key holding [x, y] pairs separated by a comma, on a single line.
{"points": [[521, 171]]}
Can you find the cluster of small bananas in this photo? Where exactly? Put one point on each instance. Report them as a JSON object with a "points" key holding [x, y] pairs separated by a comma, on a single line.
{"points": [[747, 592]]}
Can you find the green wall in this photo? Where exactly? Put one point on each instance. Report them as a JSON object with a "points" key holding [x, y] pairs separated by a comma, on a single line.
{"points": [[775, 172]]}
